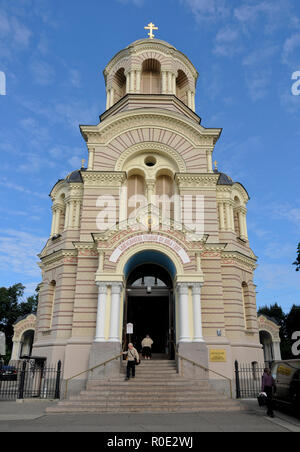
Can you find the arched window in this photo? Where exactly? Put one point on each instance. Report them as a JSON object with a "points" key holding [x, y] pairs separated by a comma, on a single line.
{"points": [[136, 193], [120, 85], [164, 195], [182, 86], [151, 77]]}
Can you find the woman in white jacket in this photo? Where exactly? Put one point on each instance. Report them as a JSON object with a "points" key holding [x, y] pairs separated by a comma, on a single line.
{"points": [[147, 343]]}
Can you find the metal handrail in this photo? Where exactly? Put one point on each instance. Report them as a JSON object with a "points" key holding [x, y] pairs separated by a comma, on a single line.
{"points": [[204, 368], [90, 370]]}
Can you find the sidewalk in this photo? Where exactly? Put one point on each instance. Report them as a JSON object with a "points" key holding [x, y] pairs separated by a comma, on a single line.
{"points": [[30, 417]]}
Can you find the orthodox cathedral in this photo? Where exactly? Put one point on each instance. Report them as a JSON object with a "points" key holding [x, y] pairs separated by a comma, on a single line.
{"points": [[148, 237]]}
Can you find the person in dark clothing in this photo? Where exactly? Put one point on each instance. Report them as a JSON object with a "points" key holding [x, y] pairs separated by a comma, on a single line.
{"points": [[268, 383], [132, 358]]}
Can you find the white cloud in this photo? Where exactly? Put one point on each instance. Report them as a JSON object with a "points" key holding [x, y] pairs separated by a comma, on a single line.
{"points": [[290, 47], [211, 10], [43, 73], [18, 252], [12, 186], [227, 42]]}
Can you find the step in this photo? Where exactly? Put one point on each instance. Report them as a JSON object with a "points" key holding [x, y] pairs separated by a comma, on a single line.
{"points": [[148, 409]]}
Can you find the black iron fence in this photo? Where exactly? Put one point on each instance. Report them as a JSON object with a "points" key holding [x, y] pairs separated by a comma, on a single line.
{"points": [[248, 378], [27, 379]]}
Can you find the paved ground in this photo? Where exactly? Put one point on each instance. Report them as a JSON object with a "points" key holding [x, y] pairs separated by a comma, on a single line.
{"points": [[30, 417]]}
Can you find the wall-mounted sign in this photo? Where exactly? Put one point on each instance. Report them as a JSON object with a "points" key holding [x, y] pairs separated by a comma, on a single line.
{"points": [[150, 238], [129, 328], [217, 356]]}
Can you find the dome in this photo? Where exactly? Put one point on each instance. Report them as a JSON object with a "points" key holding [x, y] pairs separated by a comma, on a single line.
{"points": [[224, 179], [75, 176], [155, 41]]}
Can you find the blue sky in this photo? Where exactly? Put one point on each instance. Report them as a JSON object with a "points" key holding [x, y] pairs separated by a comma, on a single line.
{"points": [[53, 53]]}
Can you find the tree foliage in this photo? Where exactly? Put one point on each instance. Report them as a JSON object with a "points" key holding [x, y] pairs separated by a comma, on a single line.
{"points": [[12, 307], [289, 323], [297, 261]]}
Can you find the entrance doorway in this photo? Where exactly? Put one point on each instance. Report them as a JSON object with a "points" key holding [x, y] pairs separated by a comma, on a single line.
{"points": [[149, 306]]}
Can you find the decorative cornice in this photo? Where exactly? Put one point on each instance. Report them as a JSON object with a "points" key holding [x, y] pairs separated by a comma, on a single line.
{"points": [[196, 180], [103, 179], [233, 257], [114, 126], [57, 256]]}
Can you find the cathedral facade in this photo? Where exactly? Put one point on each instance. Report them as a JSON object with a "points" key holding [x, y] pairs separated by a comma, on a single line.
{"points": [[148, 238]]}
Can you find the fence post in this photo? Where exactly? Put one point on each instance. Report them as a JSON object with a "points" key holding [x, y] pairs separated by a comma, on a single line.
{"points": [[22, 381], [237, 380], [57, 386]]}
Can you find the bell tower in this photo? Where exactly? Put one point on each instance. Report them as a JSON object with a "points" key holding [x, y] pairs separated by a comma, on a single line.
{"points": [[150, 67]]}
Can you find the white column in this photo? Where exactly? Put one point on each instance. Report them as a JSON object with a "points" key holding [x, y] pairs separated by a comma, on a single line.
{"points": [[190, 101], [127, 82], [57, 220], [209, 161], [177, 209], [221, 215], [138, 81], [67, 216], [114, 333], [174, 84], [170, 82], [184, 331], [164, 82], [244, 221], [53, 221], [107, 98], [101, 312], [71, 214], [123, 207], [132, 80], [77, 214], [91, 158], [197, 312], [241, 224], [112, 96], [193, 102]]}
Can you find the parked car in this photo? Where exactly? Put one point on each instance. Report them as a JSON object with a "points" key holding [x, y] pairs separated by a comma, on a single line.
{"points": [[287, 377], [8, 373]]}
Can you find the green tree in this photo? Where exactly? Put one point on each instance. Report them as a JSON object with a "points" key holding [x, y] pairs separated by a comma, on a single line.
{"points": [[297, 261], [12, 306], [293, 321]]}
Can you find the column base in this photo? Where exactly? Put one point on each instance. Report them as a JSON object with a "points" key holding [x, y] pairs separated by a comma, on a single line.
{"points": [[197, 352], [103, 351]]}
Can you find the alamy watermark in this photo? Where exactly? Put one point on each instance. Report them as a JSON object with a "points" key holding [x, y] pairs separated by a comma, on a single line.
{"points": [[162, 212], [296, 345], [296, 84], [2, 84]]}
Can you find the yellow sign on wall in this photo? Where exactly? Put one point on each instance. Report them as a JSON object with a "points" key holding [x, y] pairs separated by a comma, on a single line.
{"points": [[217, 356]]}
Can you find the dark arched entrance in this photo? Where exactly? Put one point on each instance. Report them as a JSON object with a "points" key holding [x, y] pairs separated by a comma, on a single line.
{"points": [[149, 304]]}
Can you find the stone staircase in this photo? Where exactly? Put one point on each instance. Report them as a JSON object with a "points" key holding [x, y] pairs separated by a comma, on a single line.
{"points": [[157, 388]]}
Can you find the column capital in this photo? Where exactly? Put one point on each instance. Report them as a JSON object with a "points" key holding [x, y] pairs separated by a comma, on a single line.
{"points": [[197, 288], [183, 288], [116, 287], [102, 287]]}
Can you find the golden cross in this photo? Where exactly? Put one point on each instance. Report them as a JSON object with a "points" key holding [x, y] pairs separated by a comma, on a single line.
{"points": [[151, 27], [216, 164], [82, 163]]}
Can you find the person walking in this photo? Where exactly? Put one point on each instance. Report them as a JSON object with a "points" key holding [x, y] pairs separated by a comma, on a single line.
{"points": [[132, 358], [268, 383], [147, 343]]}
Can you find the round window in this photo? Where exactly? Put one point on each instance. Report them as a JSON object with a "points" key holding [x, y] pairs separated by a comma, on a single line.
{"points": [[150, 161]]}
